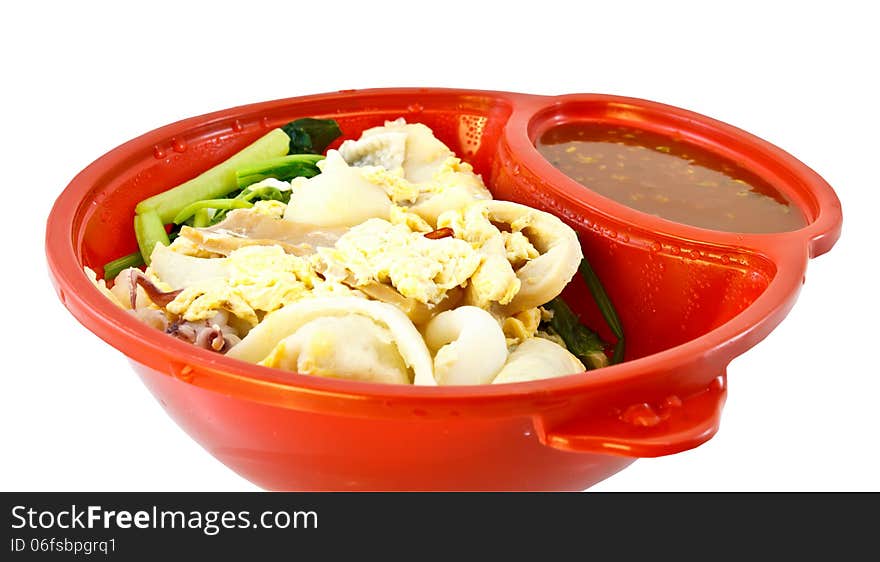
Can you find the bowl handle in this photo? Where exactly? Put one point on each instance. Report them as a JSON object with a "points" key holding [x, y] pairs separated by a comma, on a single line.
{"points": [[642, 430]]}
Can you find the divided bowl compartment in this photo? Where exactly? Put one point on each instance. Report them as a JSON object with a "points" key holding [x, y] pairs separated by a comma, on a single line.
{"points": [[690, 300]]}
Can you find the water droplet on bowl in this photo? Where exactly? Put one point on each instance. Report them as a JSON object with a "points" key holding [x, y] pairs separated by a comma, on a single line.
{"points": [[237, 126], [642, 415], [415, 108], [656, 246], [158, 152], [179, 145], [185, 373]]}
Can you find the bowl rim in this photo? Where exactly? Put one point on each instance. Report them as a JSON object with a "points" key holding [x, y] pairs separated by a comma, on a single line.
{"points": [[147, 346]]}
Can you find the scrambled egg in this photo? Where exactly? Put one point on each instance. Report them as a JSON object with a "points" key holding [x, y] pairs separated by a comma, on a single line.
{"points": [[400, 215], [270, 208], [398, 188], [495, 280], [521, 326], [260, 279], [452, 185], [470, 224], [518, 247], [454, 173], [420, 268]]}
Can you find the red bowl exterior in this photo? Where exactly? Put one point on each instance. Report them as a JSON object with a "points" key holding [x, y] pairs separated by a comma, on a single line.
{"points": [[690, 300], [293, 449]]}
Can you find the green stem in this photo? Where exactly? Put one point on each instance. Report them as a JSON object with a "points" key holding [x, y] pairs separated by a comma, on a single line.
{"points": [[149, 231], [601, 298], [619, 349], [112, 269], [193, 208], [201, 218]]}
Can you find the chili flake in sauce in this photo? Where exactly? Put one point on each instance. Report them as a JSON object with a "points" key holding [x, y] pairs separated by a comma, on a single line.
{"points": [[663, 176]]}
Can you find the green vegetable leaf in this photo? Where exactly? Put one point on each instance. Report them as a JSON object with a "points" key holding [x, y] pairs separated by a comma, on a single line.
{"points": [[250, 195], [311, 136], [605, 307], [601, 298], [580, 340], [265, 193], [284, 168]]}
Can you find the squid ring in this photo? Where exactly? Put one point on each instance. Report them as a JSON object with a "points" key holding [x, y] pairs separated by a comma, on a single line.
{"points": [[468, 346], [544, 277]]}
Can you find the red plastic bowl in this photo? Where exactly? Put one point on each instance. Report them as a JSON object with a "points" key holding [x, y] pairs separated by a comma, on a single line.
{"points": [[690, 300]]}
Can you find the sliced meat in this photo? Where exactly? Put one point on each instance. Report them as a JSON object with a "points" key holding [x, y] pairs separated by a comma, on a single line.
{"points": [[417, 311], [243, 227]]}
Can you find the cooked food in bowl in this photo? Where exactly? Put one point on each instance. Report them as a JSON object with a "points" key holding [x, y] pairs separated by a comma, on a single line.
{"points": [[667, 177], [385, 260]]}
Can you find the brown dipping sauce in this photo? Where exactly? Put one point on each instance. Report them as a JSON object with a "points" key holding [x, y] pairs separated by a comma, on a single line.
{"points": [[660, 175]]}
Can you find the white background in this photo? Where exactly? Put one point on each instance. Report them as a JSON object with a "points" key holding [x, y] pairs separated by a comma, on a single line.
{"points": [[79, 79]]}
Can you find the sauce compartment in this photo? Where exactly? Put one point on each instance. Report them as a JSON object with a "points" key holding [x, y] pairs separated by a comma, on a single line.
{"points": [[667, 177]]}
